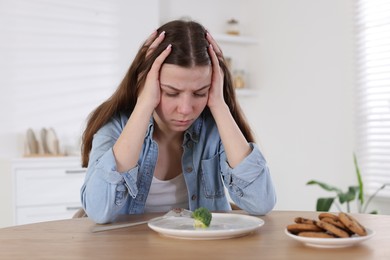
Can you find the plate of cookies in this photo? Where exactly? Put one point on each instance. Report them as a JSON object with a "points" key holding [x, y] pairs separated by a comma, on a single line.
{"points": [[329, 230]]}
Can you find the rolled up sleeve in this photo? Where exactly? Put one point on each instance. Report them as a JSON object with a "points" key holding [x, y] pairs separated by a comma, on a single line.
{"points": [[249, 183]]}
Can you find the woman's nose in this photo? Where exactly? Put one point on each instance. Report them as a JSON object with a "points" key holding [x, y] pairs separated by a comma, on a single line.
{"points": [[185, 105]]}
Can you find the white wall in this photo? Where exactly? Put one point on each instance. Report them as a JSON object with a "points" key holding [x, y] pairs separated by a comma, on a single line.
{"points": [[305, 112], [40, 91], [303, 115], [25, 104]]}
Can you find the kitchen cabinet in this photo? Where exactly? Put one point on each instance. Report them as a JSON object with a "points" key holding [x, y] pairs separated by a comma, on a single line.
{"points": [[46, 188]]}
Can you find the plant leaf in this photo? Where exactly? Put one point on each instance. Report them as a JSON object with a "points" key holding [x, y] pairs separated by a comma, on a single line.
{"points": [[324, 186], [348, 196], [360, 181], [373, 196], [324, 204]]}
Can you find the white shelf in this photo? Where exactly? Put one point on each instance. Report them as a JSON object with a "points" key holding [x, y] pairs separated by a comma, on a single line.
{"points": [[245, 92], [227, 38], [241, 41]]}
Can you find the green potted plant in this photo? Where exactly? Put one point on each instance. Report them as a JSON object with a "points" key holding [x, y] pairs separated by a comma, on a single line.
{"points": [[354, 193]]}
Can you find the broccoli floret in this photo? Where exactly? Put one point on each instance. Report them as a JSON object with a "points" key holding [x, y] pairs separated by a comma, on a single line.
{"points": [[202, 217]]}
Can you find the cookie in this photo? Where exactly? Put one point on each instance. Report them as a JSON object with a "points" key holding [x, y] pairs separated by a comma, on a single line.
{"points": [[332, 229], [316, 234], [352, 224], [299, 227], [327, 215], [303, 220], [335, 222]]}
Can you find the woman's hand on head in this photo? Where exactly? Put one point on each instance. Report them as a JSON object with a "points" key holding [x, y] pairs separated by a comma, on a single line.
{"points": [[150, 92], [216, 89]]}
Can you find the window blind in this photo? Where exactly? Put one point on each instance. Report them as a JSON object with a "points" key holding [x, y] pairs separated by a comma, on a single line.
{"points": [[63, 61], [373, 93]]}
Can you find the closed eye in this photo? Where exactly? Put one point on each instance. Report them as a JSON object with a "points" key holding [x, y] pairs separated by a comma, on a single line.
{"points": [[171, 94], [200, 94], [170, 91], [203, 92]]}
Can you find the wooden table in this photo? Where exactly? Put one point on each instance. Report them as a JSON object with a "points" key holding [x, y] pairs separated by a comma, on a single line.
{"points": [[73, 239]]}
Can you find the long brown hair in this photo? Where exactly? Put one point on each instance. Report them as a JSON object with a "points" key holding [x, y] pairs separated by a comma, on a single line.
{"points": [[189, 49]]}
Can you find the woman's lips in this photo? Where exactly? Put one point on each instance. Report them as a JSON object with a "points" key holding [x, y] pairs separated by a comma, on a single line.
{"points": [[182, 122]]}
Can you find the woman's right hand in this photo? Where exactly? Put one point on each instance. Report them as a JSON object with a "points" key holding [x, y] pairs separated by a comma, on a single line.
{"points": [[129, 144], [150, 93]]}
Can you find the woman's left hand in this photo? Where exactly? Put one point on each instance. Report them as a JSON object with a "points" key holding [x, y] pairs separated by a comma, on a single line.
{"points": [[216, 88]]}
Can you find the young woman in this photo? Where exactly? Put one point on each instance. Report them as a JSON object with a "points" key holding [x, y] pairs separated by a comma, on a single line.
{"points": [[173, 135]]}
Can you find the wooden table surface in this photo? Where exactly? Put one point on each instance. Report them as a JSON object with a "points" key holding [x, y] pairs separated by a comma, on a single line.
{"points": [[73, 239]]}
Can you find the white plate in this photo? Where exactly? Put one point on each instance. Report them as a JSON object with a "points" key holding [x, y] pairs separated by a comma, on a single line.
{"points": [[331, 242], [222, 226]]}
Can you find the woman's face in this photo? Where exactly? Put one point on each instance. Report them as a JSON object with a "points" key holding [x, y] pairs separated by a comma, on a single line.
{"points": [[184, 95]]}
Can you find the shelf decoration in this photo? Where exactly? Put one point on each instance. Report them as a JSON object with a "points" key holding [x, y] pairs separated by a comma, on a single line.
{"points": [[47, 146], [239, 79], [233, 27]]}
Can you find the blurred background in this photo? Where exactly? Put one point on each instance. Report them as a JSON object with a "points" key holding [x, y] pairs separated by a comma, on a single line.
{"points": [[60, 59]]}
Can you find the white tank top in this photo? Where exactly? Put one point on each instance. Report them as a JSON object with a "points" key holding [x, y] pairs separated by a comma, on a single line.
{"points": [[166, 195]]}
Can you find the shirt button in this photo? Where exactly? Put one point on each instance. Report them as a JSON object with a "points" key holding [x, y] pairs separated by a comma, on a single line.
{"points": [[189, 145], [189, 169], [193, 197]]}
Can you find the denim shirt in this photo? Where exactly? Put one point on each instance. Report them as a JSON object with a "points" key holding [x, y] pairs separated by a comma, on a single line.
{"points": [[106, 193]]}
